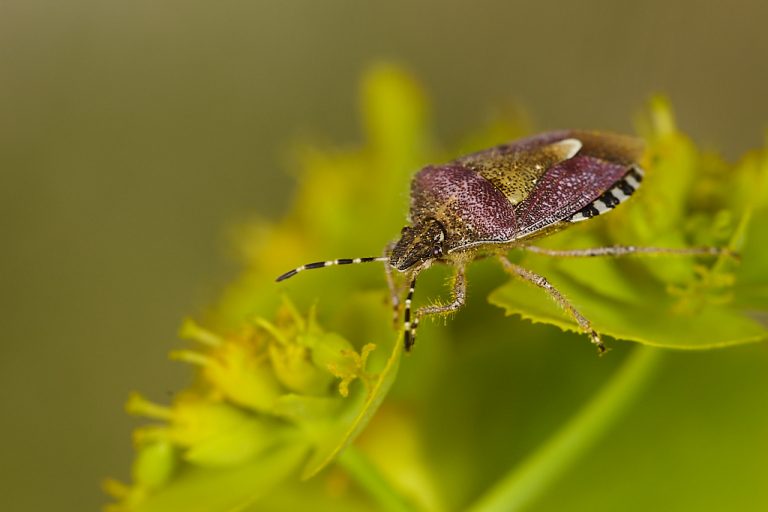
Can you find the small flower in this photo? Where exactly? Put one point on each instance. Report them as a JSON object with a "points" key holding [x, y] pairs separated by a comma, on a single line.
{"points": [[267, 388], [235, 366], [351, 366]]}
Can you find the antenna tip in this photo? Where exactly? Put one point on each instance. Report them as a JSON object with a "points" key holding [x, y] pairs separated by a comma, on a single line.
{"points": [[285, 276]]}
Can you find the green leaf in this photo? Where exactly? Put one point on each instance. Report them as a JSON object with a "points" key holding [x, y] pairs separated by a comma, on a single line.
{"points": [[199, 489], [649, 317], [688, 198]]}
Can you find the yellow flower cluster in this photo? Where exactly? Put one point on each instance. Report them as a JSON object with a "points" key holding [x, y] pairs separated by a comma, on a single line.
{"points": [[268, 386]]}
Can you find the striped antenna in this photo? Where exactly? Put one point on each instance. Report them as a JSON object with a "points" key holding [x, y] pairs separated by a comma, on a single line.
{"points": [[329, 263], [409, 327]]}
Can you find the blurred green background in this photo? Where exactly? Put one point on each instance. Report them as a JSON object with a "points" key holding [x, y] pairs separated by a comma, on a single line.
{"points": [[134, 135]]}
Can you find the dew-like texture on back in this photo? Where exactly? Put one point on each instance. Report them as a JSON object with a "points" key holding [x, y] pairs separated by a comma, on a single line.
{"points": [[522, 188], [571, 185], [565, 189], [515, 168], [468, 205]]}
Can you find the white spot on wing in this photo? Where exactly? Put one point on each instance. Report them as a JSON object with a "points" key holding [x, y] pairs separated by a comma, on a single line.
{"points": [[569, 147]]}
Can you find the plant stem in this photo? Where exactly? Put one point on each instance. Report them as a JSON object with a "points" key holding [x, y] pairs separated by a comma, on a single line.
{"points": [[369, 478], [527, 481]]}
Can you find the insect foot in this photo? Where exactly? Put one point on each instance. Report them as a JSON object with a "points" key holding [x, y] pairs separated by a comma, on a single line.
{"points": [[601, 349]]}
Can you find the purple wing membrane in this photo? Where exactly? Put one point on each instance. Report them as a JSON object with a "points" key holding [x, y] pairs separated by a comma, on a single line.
{"points": [[565, 189]]}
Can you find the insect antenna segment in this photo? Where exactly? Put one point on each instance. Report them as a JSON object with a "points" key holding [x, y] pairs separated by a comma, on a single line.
{"points": [[329, 263]]}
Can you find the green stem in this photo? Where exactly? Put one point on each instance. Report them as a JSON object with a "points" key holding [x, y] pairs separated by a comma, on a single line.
{"points": [[527, 481], [369, 478]]}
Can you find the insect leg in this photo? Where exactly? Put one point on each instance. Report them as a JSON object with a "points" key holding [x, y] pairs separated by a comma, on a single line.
{"points": [[409, 329], [624, 250], [395, 291], [459, 297], [558, 297]]}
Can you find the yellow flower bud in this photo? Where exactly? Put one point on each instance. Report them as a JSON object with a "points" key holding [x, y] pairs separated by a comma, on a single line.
{"points": [[154, 465], [296, 371]]}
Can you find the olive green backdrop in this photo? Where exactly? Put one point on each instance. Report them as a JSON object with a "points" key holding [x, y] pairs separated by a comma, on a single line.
{"points": [[133, 135]]}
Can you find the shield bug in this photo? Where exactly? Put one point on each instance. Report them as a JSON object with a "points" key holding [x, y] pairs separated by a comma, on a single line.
{"points": [[502, 198]]}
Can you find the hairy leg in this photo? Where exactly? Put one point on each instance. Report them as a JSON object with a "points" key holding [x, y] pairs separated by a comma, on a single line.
{"points": [[558, 297], [395, 291], [624, 250], [459, 295]]}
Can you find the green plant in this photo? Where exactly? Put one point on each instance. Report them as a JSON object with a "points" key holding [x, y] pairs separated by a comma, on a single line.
{"points": [[289, 382]]}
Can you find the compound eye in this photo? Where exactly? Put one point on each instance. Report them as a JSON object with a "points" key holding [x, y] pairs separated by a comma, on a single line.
{"points": [[437, 251]]}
